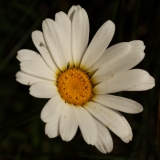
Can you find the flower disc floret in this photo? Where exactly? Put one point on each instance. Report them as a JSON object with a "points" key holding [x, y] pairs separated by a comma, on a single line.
{"points": [[74, 86]]}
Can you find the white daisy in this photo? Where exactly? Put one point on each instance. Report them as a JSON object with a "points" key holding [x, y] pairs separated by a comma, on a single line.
{"points": [[78, 78]]}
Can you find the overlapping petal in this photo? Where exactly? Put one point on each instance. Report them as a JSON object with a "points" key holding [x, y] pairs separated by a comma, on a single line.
{"points": [[26, 55], [104, 141], [53, 109], [80, 35], [118, 63], [28, 79], [87, 125], [145, 86], [38, 69], [110, 53], [39, 42], [109, 118], [52, 128], [55, 42], [44, 90], [118, 103], [122, 82], [98, 44], [68, 122], [64, 25]]}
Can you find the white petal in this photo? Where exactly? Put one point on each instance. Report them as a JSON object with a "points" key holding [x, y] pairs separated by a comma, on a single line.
{"points": [[110, 54], [118, 103], [68, 123], [27, 79], [87, 125], [40, 44], [72, 11], [44, 90], [116, 52], [109, 118], [52, 128], [55, 42], [98, 44], [25, 55], [130, 136], [120, 63], [38, 69], [64, 24], [104, 142], [148, 85], [52, 110], [80, 35], [138, 44], [122, 82]]}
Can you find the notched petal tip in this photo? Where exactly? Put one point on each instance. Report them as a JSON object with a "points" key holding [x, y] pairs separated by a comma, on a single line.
{"points": [[72, 11], [138, 44], [145, 86]]}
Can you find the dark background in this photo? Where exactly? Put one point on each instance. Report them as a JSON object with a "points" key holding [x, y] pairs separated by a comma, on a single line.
{"points": [[22, 134]]}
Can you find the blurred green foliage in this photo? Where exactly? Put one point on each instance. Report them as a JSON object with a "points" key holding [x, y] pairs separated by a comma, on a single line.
{"points": [[22, 134]]}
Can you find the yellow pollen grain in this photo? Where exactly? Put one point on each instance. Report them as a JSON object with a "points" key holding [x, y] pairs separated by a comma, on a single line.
{"points": [[74, 86]]}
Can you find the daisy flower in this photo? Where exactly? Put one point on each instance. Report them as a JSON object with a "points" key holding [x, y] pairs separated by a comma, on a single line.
{"points": [[80, 78]]}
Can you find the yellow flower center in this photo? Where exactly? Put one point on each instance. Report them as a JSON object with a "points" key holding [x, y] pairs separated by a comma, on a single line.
{"points": [[74, 86]]}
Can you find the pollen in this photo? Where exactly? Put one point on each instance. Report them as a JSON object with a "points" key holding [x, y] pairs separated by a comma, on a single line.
{"points": [[74, 86]]}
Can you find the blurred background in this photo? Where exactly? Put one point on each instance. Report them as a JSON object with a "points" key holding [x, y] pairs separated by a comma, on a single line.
{"points": [[22, 134]]}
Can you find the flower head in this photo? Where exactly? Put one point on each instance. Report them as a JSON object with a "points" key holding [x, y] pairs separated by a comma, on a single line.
{"points": [[79, 78]]}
